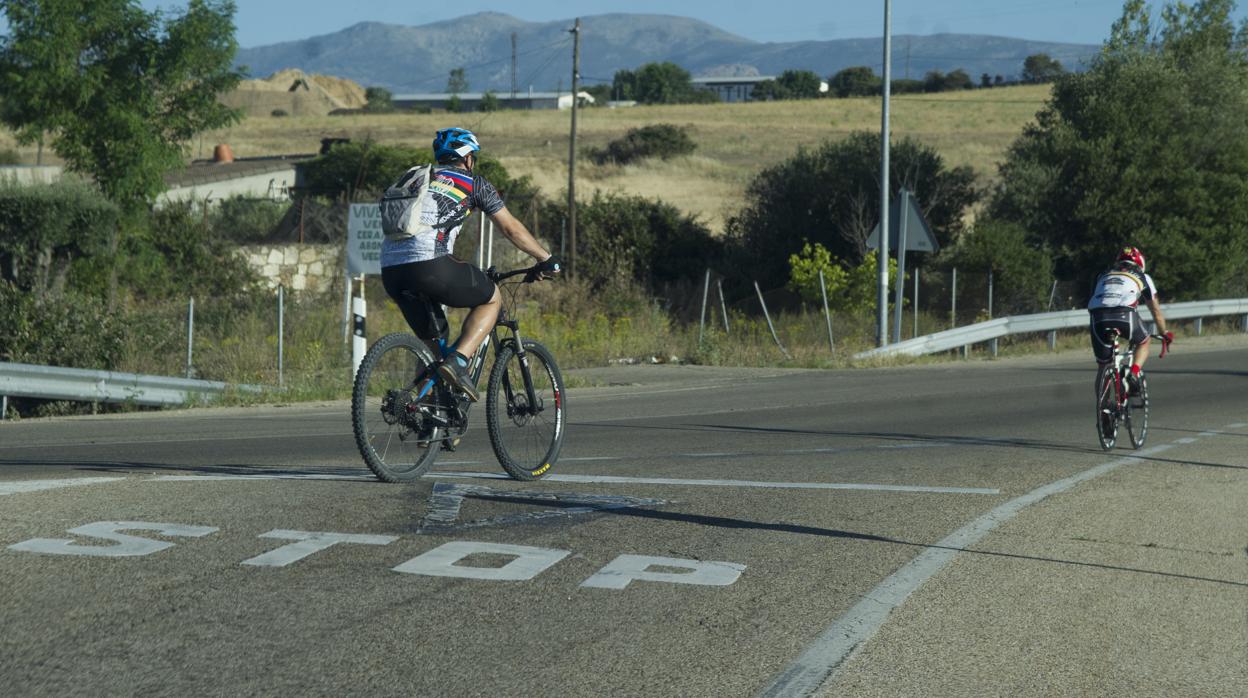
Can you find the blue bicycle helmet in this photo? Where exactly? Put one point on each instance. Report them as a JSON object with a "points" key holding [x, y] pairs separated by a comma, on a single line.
{"points": [[454, 144]]}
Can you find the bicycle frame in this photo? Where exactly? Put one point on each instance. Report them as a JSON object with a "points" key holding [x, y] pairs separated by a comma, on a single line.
{"points": [[477, 364]]}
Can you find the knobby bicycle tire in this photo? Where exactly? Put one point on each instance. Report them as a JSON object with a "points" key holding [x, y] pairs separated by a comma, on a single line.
{"points": [[1106, 409], [389, 444], [526, 442], [1137, 414]]}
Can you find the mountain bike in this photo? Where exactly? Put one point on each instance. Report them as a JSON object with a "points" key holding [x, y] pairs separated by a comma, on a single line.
{"points": [[403, 415], [1115, 403]]}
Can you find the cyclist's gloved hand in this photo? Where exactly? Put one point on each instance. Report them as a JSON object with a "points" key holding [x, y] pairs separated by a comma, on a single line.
{"points": [[545, 270], [1169, 337]]}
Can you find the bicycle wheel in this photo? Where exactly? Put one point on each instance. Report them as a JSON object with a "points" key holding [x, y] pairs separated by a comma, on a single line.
{"points": [[1137, 414], [526, 436], [1106, 409], [392, 425]]}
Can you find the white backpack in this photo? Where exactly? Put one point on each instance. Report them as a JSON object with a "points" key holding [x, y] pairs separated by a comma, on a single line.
{"points": [[402, 203]]}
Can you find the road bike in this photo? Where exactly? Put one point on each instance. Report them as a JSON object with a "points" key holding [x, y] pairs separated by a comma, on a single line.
{"points": [[403, 414], [1115, 403]]}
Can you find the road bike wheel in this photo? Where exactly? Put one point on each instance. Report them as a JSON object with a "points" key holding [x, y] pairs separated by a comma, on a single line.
{"points": [[1137, 414], [526, 437], [390, 423], [1106, 409]]}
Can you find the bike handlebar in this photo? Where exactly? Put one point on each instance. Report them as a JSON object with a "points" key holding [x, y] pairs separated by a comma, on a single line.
{"points": [[497, 276], [1165, 343]]}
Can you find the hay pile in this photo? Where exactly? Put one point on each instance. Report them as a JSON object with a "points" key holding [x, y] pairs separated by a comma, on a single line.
{"points": [[296, 93]]}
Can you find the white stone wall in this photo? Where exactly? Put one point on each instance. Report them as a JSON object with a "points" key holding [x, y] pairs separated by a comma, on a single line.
{"points": [[314, 268]]}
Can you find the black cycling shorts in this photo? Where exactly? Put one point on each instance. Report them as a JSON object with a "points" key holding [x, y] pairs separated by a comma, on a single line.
{"points": [[421, 289], [1128, 323]]}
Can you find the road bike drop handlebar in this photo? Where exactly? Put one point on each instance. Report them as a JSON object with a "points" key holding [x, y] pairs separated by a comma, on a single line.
{"points": [[1165, 343]]}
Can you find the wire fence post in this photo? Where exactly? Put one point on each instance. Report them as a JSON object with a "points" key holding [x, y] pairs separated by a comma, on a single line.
{"points": [[916, 301], [1052, 295], [281, 334], [346, 308], [190, 337], [719, 283], [953, 301], [706, 290], [993, 342], [827, 314], [769, 325]]}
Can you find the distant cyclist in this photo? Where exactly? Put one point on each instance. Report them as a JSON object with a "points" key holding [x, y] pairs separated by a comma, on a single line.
{"points": [[422, 214], [1113, 306]]}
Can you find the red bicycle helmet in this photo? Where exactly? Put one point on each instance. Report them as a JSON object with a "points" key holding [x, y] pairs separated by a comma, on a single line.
{"points": [[1132, 255]]}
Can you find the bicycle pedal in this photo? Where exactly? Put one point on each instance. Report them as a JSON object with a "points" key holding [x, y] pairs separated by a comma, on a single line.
{"points": [[450, 444]]}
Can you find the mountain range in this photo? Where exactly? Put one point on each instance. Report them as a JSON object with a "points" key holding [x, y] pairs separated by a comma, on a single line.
{"points": [[406, 59]]}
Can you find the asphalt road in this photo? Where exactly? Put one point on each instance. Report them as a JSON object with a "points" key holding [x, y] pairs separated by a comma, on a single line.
{"points": [[947, 529]]}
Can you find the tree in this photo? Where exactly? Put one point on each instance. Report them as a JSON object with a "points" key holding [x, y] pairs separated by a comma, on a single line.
{"points": [[799, 84], [830, 195], [457, 82], [119, 90], [985, 80], [1040, 67], [767, 90], [663, 83], [489, 102], [380, 100], [624, 85], [1022, 271], [859, 81], [1147, 147]]}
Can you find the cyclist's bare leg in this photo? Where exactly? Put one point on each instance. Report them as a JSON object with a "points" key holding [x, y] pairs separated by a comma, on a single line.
{"points": [[1141, 354], [478, 324]]}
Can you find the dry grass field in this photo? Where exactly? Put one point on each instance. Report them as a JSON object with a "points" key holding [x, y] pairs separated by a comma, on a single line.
{"points": [[734, 140]]}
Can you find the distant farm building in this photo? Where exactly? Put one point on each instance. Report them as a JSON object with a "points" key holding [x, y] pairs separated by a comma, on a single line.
{"points": [[738, 89], [471, 101]]}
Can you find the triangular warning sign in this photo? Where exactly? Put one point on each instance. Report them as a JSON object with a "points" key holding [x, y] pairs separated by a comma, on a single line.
{"points": [[905, 221], [446, 500]]}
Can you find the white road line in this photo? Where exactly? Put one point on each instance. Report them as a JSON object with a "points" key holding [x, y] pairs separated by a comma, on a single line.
{"points": [[261, 476], [37, 485], [613, 479], [829, 651]]}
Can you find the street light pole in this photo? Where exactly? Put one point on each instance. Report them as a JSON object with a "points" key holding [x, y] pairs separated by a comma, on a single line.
{"points": [[882, 295], [576, 70]]}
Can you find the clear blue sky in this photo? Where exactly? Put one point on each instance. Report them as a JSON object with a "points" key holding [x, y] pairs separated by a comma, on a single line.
{"points": [[263, 22]]}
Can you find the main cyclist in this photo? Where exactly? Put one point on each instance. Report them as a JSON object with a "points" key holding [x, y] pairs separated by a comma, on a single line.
{"points": [[422, 214], [1113, 306]]}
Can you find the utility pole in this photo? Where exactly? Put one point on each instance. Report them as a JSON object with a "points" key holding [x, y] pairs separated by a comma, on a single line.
{"points": [[576, 70], [513, 67], [885, 230]]}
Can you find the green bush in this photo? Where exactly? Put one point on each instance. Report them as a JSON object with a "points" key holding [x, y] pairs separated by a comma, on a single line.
{"points": [[244, 220], [659, 140], [1022, 272], [176, 255], [631, 239], [279, 113], [45, 228], [9, 156], [72, 330], [360, 171]]}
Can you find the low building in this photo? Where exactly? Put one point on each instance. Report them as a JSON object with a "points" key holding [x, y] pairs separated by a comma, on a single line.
{"points": [[739, 89], [471, 101]]}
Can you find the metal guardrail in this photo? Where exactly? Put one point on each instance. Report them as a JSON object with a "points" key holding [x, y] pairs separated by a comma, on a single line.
{"points": [[55, 383], [1044, 322]]}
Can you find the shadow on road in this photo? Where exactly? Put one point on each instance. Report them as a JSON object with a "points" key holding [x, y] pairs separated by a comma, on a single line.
{"points": [[723, 522], [114, 466]]}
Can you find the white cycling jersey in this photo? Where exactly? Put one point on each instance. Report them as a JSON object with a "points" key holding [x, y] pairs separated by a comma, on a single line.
{"points": [[1122, 289]]}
